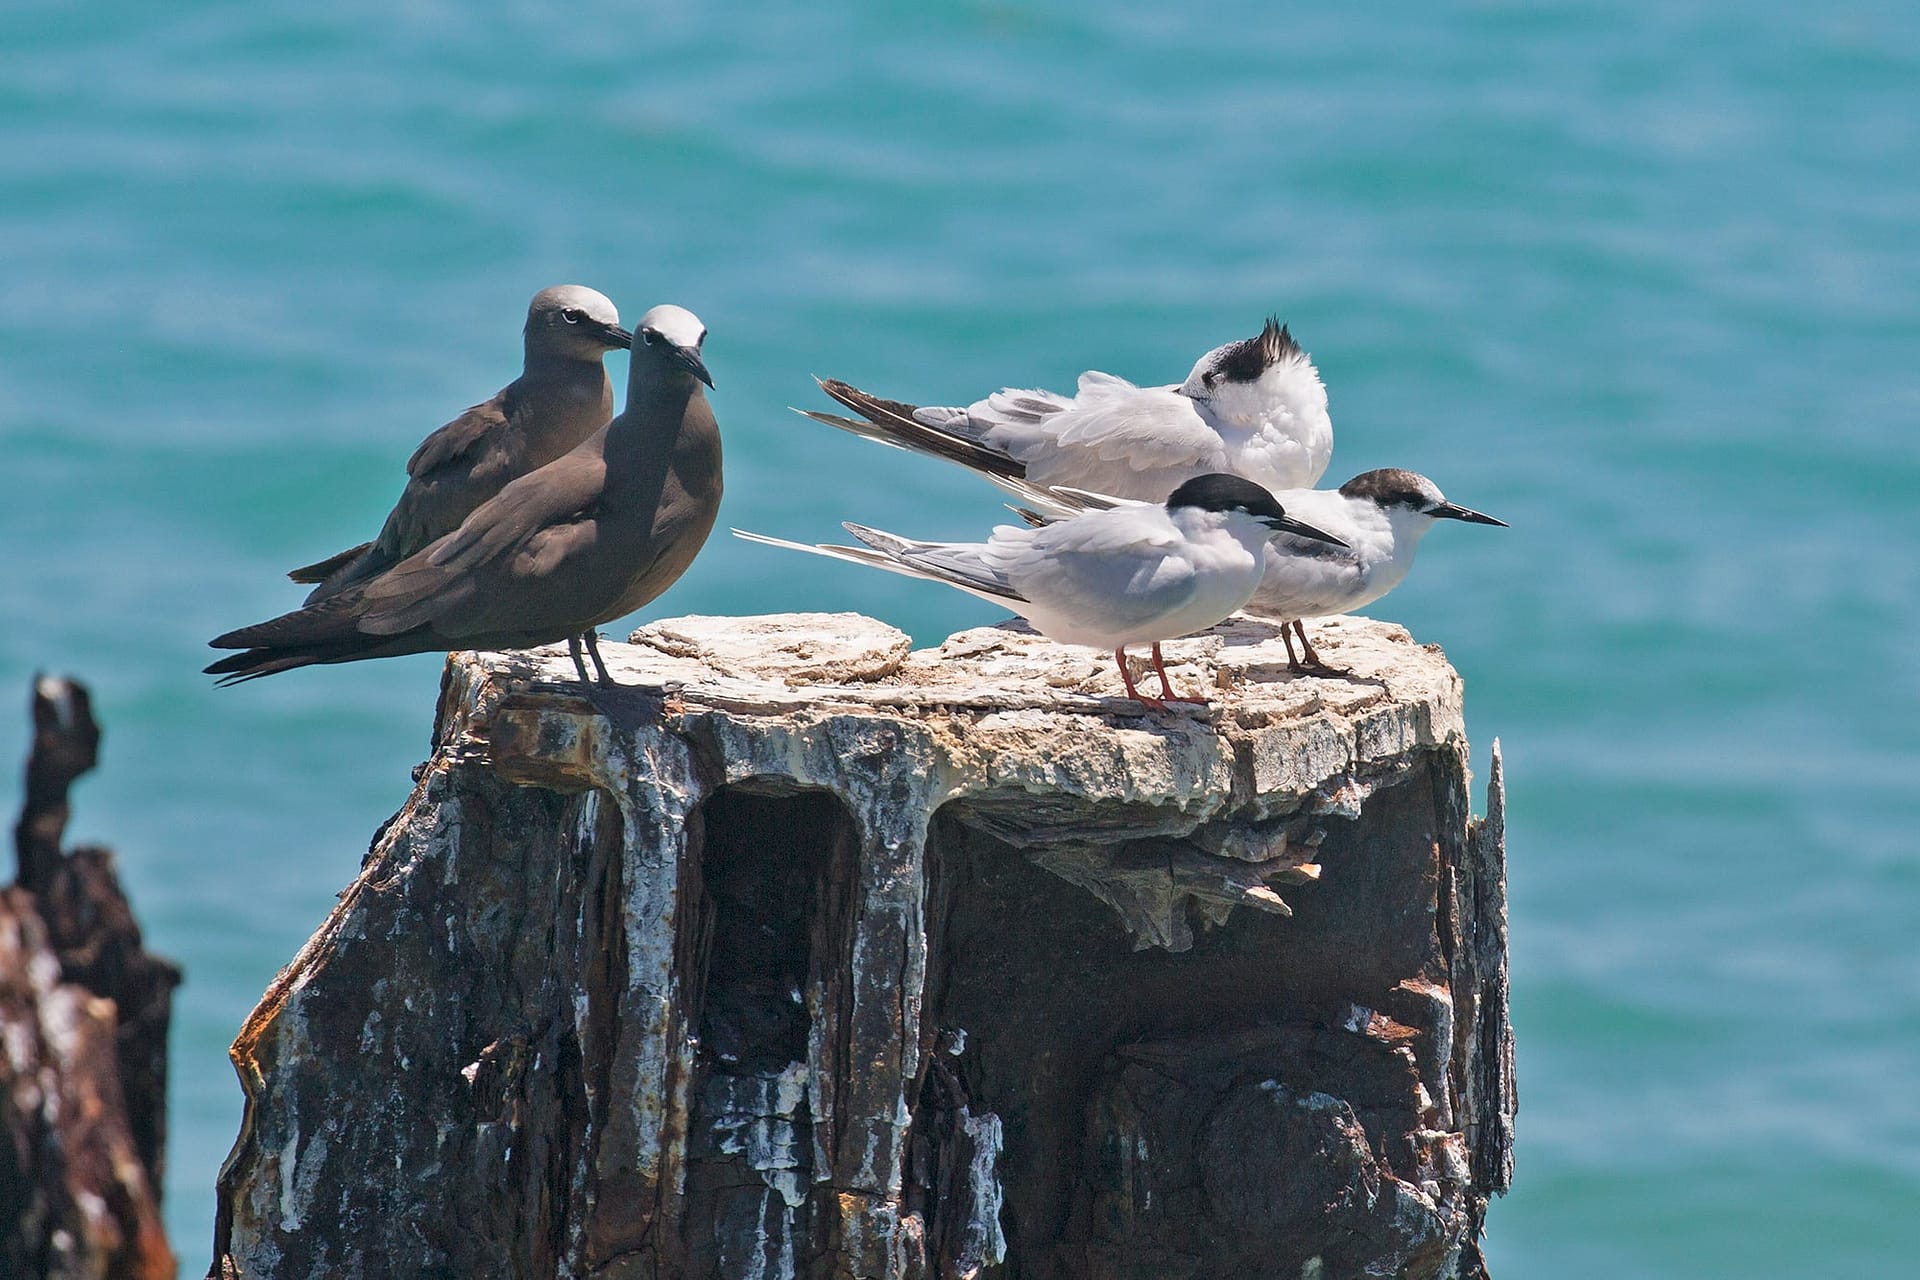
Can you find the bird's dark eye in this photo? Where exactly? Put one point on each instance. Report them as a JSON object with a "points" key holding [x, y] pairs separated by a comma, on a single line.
{"points": [[646, 336], [1209, 378], [571, 315]]}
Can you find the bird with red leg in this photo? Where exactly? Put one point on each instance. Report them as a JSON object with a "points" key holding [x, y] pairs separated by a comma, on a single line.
{"points": [[1137, 574]]}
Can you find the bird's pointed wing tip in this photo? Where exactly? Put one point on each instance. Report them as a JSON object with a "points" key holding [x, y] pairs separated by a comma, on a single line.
{"points": [[768, 540]]}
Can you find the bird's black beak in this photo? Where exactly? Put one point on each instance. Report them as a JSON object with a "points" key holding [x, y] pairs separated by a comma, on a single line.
{"points": [[1448, 511], [690, 357], [1287, 524], [614, 336]]}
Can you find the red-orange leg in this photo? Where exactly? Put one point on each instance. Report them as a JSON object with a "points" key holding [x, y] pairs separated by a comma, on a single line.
{"points": [[1166, 689], [1126, 678]]}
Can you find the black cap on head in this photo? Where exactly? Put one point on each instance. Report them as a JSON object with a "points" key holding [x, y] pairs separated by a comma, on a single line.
{"points": [[1222, 492], [1393, 487], [1245, 361]]}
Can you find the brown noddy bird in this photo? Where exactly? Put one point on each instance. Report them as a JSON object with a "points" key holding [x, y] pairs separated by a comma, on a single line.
{"points": [[561, 397], [592, 535]]}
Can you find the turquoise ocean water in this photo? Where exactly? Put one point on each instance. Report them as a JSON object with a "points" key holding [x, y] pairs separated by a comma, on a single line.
{"points": [[1640, 278]]}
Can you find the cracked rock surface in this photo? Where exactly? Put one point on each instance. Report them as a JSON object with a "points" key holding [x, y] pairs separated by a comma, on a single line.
{"points": [[805, 953]]}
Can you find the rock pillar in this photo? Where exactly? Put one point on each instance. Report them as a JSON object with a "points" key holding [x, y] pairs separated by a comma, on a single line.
{"points": [[809, 955]]}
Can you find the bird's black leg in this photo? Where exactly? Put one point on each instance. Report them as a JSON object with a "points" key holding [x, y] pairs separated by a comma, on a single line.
{"points": [[1286, 633], [1313, 659], [580, 663], [1306, 645], [593, 647]]}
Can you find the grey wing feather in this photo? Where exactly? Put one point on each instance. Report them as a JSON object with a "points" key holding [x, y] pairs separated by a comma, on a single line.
{"points": [[1121, 566], [853, 555], [973, 578], [959, 563]]}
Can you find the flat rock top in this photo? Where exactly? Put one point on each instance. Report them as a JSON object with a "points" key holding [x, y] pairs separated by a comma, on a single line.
{"points": [[791, 662], [998, 714]]}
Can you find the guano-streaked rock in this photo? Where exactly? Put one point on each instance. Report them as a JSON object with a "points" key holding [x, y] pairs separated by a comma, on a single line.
{"points": [[808, 954]]}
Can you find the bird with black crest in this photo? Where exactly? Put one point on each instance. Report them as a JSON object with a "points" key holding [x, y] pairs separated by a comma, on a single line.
{"points": [[1254, 408]]}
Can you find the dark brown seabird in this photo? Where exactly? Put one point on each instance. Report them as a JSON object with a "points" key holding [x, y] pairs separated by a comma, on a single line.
{"points": [[589, 537], [561, 397]]}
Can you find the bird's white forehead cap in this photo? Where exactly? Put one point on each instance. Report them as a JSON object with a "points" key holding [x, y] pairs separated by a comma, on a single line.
{"points": [[676, 324], [596, 305]]}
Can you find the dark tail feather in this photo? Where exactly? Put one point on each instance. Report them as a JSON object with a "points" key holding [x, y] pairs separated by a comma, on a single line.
{"points": [[321, 570], [891, 422], [270, 659], [329, 623], [871, 407], [238, 668]]}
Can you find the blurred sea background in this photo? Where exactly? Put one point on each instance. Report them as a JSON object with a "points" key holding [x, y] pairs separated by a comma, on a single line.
{"points": [[1641, 278]]}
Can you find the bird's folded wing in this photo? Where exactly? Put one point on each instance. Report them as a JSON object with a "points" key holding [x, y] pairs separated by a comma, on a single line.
{"points": [[986, 586], [1058, 501], [1145, 428], [321, 570], [458, 437], [532, 522], [962, 564], [1080, 568], [1014, 409], [330, 620], [1094, 384], [1133, 530], [853, 555]]}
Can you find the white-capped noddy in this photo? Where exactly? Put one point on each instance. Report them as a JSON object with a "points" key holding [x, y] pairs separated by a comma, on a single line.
{"points": [[561, 397], [592, 535], [1254, 408], [1137, 573]]}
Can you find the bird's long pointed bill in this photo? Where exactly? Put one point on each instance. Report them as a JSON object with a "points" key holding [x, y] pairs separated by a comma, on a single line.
{"points": [[690, 357], [1449, 511], [1287, 524], [617, 337]]}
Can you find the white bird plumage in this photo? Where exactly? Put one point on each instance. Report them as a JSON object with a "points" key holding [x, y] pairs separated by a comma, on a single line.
{"points": [[1255, 408], [1380, 516], [1136, 573]]}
